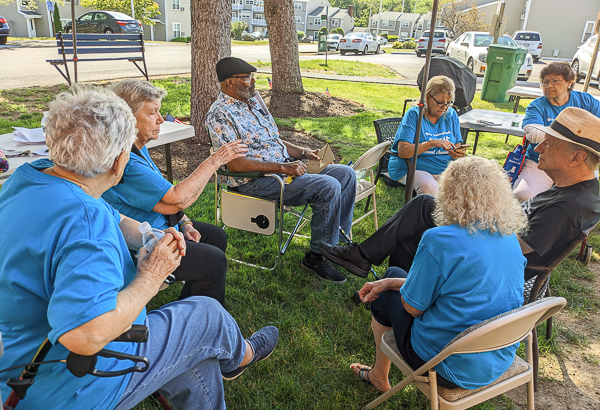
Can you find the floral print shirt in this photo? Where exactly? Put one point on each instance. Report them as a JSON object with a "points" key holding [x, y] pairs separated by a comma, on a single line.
{"points": [[230, 119]]}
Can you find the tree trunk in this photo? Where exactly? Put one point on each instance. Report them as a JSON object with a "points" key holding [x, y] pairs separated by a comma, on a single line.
{"points": [[283, 44], [211, 41]]}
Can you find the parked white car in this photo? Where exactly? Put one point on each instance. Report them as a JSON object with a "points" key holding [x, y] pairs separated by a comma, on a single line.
{"points": [[531, 41], [382, 41], [440, 42], [333, 41], [583, 58], [471, 48], [358, 42]]}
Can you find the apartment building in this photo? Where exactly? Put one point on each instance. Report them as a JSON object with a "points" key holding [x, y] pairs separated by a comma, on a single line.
{"points": [[394, 23], [252, 12], [308, 15]]}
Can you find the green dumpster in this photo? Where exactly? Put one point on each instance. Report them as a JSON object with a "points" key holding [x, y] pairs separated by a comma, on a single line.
{"points": [[503, 65]]}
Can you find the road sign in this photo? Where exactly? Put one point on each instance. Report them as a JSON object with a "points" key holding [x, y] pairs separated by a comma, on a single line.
{"points": [[50, 6]]}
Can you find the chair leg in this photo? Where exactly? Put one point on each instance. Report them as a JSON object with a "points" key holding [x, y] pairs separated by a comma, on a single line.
{"points": [[162, 401], [536, 358], [549, 328], [433, 389], [375, 212], [531, 383], [389, 393]]}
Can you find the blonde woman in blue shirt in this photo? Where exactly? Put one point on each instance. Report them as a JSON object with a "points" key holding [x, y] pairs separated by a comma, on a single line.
{"points": [[439, 141]]}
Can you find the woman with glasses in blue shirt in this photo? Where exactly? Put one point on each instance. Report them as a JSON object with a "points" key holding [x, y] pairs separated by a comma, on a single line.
{"points": [[439, 141], [557, 80]]}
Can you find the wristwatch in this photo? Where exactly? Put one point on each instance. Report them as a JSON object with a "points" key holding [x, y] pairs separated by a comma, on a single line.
{"points": [[304, 152]]}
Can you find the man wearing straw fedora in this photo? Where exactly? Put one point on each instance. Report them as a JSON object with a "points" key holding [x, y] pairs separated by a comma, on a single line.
{"points": [[569, 155]]}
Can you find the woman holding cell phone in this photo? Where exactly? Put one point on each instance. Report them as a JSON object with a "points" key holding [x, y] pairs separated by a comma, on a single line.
{"points": [[440, 140]]}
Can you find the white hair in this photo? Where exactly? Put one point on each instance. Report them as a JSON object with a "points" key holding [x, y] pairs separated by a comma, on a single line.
{"points": [[87, 129]]}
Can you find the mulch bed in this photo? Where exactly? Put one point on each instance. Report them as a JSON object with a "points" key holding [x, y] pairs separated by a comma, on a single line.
{"points": [[186, 155]]}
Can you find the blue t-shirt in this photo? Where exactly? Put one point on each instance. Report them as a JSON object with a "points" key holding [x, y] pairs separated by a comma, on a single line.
{"points": [[434, 160], [63, 260], [540, 111], [459, 279], [143, 188]]}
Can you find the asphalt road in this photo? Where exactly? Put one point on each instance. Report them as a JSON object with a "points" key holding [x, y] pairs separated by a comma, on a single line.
{"points": [[23, 64]]}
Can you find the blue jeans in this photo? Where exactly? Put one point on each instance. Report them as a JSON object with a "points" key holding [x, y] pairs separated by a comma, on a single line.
{"points": [[331, 194], [190, 343]]}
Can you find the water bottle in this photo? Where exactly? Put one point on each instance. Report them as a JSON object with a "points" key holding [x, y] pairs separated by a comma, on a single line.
{"points": [[516, 122], [150, 237]]}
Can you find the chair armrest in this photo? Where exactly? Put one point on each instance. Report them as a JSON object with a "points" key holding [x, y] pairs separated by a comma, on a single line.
{"points": [[252, 175]]}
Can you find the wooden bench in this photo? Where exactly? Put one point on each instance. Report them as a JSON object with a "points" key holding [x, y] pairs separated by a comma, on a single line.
{"points": [[97, 47]]}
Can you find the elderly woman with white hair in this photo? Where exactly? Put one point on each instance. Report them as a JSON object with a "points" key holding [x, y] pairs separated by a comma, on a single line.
{"points": [[66, 274], [145, 195], [467, 269], [439, 141]]}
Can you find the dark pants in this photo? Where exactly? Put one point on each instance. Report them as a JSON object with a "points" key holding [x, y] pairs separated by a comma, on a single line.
{"points": [[204, 265], [388, 311], [399, 237]]}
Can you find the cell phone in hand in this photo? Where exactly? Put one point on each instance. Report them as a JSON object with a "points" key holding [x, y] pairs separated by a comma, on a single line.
{"points": [[462, 146]]}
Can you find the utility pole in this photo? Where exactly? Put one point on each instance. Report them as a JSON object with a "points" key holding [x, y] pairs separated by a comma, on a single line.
{"points": [[379, 18], [132, 10], [499, 22]]}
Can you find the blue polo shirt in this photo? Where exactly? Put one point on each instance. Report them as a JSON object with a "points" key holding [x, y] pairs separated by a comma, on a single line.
{"points": [[459, 279], [143, 187], [541, 111], [436, 159], [62, 264]]}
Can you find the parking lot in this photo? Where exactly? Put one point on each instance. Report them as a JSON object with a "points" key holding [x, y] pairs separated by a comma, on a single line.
{"points": [[24, 63]]}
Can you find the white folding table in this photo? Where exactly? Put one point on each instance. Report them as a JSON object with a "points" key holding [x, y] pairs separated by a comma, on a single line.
{"points": [[470, 121], [169, 132]]}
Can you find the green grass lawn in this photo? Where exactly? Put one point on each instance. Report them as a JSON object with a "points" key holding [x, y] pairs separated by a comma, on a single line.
{"points": [[321, 330], [249, 43], [340, 67]]}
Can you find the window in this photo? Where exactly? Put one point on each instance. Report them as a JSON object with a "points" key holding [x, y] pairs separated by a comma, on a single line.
{"points": [[298, 19], [176, 30], [234, 14], [87, 17], [245, 14], [405, 24], [335, 22], [249, 2], [100, 16], [588, 30], [174, 4], [259, 16], [297, 6], [317, 20], [385, 23]]}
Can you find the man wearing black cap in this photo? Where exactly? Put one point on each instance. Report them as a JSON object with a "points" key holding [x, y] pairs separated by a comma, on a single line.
{"points": [[236, 114], [569, 155]]}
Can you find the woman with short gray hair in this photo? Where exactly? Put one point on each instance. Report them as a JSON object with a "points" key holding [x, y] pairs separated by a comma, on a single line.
{"points": [[145, 195], [439, 142], [66, 276]]}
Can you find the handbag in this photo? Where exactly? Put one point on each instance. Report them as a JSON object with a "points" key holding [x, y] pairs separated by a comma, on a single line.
{"points": [[514, 161]]}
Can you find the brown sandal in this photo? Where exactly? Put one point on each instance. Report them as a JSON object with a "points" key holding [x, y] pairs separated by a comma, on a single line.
{"points": [[364, 373]]}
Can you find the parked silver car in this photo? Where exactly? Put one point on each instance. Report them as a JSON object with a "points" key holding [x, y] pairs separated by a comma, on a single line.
{"points": [[333, 41], [583, 58], [358, 42], [471, 49], [531, 41], [440, 42]]}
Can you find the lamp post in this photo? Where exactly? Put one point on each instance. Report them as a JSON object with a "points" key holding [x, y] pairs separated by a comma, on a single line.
{"points": [[379, 17], [414, 32]]}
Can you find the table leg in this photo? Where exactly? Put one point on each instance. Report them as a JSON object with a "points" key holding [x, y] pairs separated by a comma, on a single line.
{"points": [[168, 161], [476, 139], [464, 132], [515, 109]]}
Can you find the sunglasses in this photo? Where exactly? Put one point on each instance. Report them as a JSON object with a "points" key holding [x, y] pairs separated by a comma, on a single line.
{"points": [[245, 77]]}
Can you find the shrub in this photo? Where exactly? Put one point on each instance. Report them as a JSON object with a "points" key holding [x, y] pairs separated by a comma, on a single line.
{"points": [[57, 23], [237, 28], [180, 40], [248, 36], [385, 35], [188, 39], [392, 38], [409, 45], [338, 31], [301, 34], [397, 45]]}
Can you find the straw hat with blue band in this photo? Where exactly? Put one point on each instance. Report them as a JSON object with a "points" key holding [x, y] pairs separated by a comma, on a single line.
{"points": [[577, 126]]}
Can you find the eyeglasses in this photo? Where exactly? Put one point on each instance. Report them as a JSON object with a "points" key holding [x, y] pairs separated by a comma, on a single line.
{"points": [[245, 77], [442, 105], [546, 83]]}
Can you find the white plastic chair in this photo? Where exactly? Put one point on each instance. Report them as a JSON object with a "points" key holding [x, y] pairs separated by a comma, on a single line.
{"points": [[492, 334]]}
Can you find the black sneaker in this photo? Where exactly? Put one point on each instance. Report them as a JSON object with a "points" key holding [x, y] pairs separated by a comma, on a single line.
{"points": [[348, 256], [322, 268], [263, 343]]}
